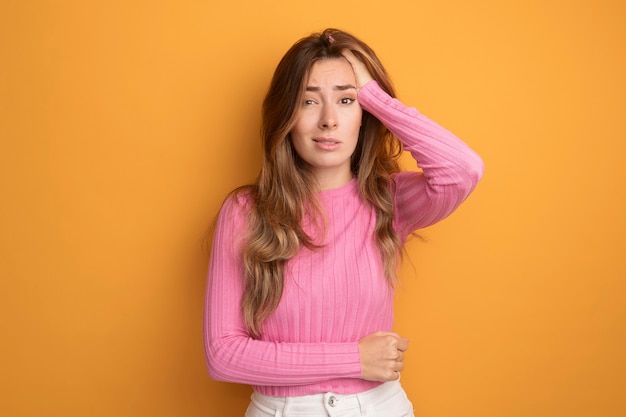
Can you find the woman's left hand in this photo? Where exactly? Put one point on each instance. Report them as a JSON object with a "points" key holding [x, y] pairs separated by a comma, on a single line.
{"points": [[361, 72]]}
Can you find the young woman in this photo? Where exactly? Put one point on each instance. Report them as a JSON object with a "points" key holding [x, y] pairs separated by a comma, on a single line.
{"points": [[299, 300]]}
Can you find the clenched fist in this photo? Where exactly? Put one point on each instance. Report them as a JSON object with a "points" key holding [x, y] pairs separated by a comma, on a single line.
{"points": [[382, 356]]}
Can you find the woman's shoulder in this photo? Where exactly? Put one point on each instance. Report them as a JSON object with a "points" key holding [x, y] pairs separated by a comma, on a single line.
{"points": [[240, 200], [234, 213]]}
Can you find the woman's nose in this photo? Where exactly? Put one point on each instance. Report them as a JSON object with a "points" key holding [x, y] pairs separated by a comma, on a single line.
{"points": [[328, 119]]}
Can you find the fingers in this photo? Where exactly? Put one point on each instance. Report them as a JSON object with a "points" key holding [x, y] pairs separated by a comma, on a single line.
{"points": [[361, 72], [393, 373], [382, 356], [349, 55], [403, 344], [396, 348], [390, 374], [395, 341]]}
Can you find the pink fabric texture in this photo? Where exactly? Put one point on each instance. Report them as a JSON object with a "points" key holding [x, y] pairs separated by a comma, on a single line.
{"points": [[338, 294]]}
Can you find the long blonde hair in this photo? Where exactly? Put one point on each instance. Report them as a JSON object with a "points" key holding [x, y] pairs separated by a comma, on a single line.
{"points": [[284, 192]]}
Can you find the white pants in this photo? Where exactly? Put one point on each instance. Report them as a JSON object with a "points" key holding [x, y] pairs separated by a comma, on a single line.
{"points": [[387, 400]]}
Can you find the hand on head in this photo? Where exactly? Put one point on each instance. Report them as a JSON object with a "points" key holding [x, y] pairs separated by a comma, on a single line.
{"points": [[361, 72]]}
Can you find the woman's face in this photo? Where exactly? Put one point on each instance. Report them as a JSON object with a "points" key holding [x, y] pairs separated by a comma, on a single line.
{"points": [[328, 121]]}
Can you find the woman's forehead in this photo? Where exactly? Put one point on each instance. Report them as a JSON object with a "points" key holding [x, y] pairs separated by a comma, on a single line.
{"points": [[329, 72]]}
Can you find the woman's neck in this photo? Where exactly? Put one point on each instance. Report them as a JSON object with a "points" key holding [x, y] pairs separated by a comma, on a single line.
{"points": [[331, 180]]}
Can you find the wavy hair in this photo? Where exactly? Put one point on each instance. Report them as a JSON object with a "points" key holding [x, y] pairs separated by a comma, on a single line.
{"points": [[285, 191]]}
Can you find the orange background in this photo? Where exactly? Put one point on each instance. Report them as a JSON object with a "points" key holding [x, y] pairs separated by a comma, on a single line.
{"points": [[124, 123]]}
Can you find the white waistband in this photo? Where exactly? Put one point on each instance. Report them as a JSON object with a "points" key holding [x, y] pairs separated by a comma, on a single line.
{"points": [[326, 402]]}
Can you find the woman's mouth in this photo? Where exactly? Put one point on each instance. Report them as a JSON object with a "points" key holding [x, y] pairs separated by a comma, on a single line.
{"points": [[327, 144]]}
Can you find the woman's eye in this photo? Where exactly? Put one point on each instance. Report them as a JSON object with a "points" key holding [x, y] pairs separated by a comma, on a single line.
{"points": [[309, 102], [347, 100]]}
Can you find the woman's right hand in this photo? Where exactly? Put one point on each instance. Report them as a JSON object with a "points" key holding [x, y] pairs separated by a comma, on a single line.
{"points": [[382, 356]]}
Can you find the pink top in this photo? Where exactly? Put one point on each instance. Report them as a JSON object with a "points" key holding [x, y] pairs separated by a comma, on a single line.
{"points": [[336, 295]]}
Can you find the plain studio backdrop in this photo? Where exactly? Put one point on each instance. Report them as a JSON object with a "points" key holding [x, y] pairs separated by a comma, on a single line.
{"points": [[123, 124]]}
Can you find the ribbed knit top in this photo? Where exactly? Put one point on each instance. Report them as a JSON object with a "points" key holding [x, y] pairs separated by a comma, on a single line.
{"points": [[338, 294]]}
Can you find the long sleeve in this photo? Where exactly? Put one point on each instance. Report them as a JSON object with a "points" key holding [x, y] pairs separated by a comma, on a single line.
{"points": [[450, 169], [231, 354]]}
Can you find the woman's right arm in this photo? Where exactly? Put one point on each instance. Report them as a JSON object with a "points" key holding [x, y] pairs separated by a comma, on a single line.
{"points": [[231, 354]]}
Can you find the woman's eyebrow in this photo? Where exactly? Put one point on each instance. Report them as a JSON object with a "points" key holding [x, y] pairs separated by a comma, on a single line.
{"points": [[341, 87]]}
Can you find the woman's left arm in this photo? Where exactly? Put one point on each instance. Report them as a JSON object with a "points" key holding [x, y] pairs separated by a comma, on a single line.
{"points": [[450, 169]]}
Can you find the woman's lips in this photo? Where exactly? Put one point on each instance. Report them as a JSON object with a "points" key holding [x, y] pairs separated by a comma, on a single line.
{"points": [[327, 144]]}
